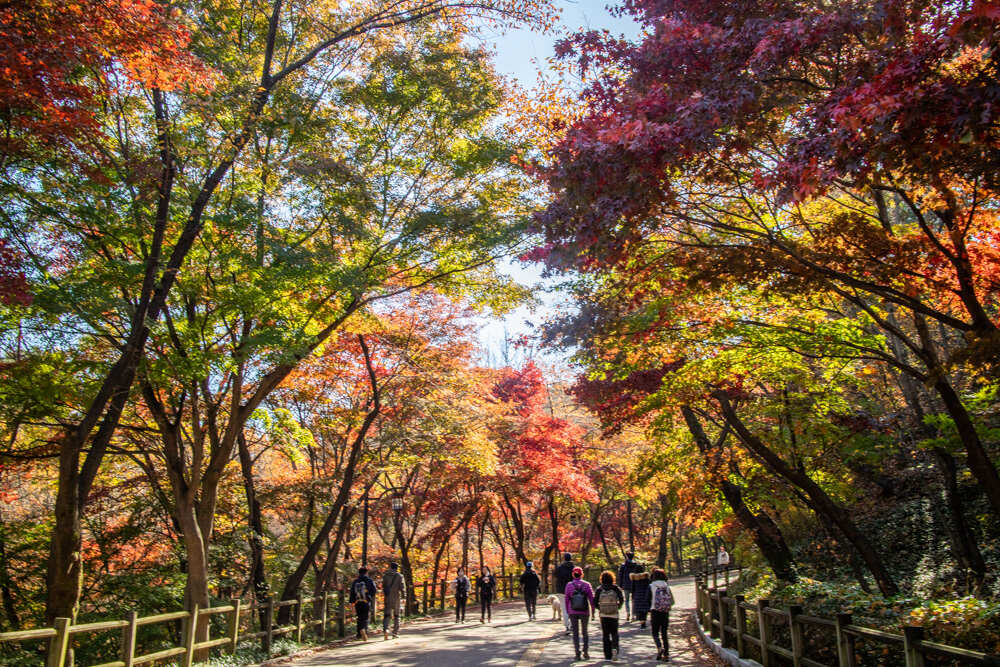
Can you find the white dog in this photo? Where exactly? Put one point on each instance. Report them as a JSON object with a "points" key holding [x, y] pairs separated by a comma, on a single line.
{"points": [[557, 608]]}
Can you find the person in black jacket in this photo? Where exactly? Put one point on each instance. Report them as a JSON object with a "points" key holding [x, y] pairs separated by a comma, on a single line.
{"points": [[462, 587], [564, 575], [624, 570], [362, 594], [486, 587], [530, 582]]}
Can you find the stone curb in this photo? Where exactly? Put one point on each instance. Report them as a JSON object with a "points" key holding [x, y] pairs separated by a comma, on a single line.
{"points": [[728, 655]]}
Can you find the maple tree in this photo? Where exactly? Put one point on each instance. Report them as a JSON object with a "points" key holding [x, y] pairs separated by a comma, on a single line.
{"points": [[157, 161]]}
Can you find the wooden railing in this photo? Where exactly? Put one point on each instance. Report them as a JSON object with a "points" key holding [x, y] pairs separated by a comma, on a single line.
{"points": [[330, 616], [729, 619]]}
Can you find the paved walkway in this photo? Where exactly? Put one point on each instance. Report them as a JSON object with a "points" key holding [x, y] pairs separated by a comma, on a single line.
{"points": [[513, 641]]}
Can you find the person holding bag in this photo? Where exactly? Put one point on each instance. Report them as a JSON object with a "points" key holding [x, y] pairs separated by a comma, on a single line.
{"points": [[609, 600], [662, 601], [579, 607]]}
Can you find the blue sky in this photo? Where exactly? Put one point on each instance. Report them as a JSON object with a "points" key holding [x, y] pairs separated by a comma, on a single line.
{"points": [[520, 54]]}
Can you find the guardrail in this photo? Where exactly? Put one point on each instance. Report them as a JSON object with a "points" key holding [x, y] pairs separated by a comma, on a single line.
{"points": [[330, 617], [730, 619]]}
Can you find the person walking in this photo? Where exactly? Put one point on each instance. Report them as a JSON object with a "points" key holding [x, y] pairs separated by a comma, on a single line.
{"points": [[530, 583], [564, 575], [663, 601], [722, 559], [579, 597], [393, 592], [361, 596], [486, 587], [624, 570], [462, 587], [641, 599], [609, 600]]}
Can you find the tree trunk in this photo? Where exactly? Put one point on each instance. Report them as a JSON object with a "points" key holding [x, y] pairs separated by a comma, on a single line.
{"points": [[661, 548], [963, 541], [258, 578]]}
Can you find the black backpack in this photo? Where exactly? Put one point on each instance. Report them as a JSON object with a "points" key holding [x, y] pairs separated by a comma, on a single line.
{"points": [[578, 599]]}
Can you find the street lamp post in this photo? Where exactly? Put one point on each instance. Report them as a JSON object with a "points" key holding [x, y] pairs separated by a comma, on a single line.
{"points": [[364, 533]]}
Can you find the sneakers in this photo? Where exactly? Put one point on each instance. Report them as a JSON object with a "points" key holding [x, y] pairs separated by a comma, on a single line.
{"points": [[385, 635], [578, 657], [364, 635], [614, 654], [586, 655]]}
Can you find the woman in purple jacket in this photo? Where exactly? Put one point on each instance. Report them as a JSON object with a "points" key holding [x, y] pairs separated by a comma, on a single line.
{"points": [[579, 607]]}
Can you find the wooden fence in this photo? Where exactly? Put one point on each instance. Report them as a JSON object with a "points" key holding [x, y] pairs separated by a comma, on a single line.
{"points": [[329, 618], [777, 637]]}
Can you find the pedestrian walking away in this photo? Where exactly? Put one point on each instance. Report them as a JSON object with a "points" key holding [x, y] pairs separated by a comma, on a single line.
{"points": [[579, 608], [393, 592], [610, 598], [663, 601], [486, 587], [624, 570], [564, 575], [361, 596], [530, 583], [641, 599], [462, 587]]}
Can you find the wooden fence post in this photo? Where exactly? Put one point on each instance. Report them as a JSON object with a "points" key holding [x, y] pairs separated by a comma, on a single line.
{"points": [[233, 631], [762, 624], [444, 594], [128, 639], [722, 617], [59, 644], [795, 626], [713, 596], [911, 635], [845, 642], [268, 625], [342, 613], [190, 634], [425, 597], [298, 618], [741, 626], [510, 584]]}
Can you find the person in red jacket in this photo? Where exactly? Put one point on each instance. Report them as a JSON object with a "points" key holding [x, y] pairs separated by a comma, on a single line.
{"points": [[579, 608]]}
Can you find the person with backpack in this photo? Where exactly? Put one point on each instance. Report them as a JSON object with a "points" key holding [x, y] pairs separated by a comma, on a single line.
{"points": [[663, 600], [624, 570], [486, 587], [641, 599], [609, 600], [393, 592], [462, 587], [564, 574], [361, 596], [579, 607], [530, 583]]}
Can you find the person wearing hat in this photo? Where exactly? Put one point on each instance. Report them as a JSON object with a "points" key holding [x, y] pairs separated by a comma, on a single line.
{"points": [[579, 608], [393, 592], [564, 575], [530, 582]]}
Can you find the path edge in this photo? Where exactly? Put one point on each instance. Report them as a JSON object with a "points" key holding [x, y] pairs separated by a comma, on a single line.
{"points": [[728, 655]]}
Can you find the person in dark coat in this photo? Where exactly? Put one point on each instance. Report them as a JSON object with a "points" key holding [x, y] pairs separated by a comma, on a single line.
{"points": [[486, 587], [642, 598], [564, 575], [624, 570], [462, 588], [362, 595], [530, 583]]}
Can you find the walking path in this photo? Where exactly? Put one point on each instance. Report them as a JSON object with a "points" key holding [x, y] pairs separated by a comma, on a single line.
{"points": [[513, 641]]}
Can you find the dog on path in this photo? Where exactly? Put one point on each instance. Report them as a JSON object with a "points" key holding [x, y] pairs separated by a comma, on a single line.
{"points": [[557, 610]]}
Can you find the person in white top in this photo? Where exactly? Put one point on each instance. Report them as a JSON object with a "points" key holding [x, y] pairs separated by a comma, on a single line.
{"points": [[662, 601], [723, 558]]}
